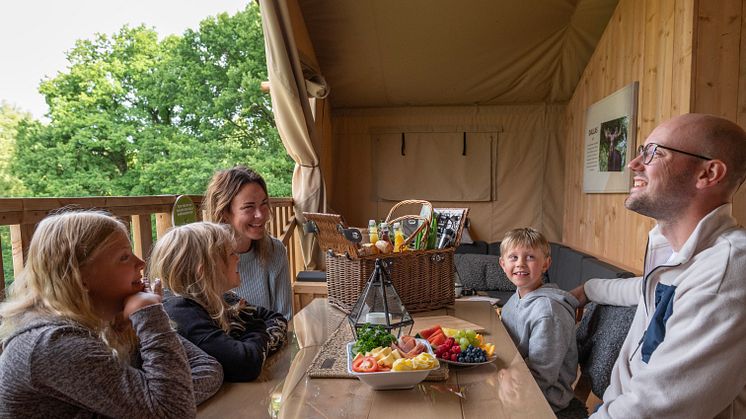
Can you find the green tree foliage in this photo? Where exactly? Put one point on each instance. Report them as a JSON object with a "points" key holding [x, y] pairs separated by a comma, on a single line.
{"points": [[133, 115], [10, 118]]}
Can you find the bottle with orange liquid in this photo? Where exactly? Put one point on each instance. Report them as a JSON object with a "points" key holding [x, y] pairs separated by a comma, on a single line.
{"points": [[372, 231], [398, 238]]}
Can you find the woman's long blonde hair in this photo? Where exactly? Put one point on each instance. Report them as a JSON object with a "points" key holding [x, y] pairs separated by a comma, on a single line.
{"points": [[223, 187], [190, 261], [51, 284]]}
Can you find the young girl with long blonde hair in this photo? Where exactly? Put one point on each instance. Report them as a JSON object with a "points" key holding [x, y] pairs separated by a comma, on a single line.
{"points": [[198, 265], [82, 337]]}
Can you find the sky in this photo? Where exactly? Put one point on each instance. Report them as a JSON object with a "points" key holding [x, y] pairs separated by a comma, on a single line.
{"points": [[35, 34]]}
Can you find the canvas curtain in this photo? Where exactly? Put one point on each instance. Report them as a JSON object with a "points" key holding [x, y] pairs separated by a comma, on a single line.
{"points": [[288, 90]]}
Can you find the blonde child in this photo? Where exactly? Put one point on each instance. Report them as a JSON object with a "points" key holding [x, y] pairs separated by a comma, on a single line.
{"points": [[540, 318], [62, 354], [198, 264]]}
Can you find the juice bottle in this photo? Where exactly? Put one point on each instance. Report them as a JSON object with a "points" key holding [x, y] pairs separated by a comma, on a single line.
{"points": [[372, 231], [398, 238]]}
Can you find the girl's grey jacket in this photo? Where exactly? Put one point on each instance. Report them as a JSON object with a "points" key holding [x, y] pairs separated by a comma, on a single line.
{"points": [[56, 368], [542, 326]]}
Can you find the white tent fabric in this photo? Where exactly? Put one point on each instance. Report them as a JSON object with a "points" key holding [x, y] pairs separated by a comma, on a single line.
{"points": [[293, 116]]}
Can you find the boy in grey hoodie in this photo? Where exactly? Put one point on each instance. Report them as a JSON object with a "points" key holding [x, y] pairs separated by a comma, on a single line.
{"points": [[540, 318]]}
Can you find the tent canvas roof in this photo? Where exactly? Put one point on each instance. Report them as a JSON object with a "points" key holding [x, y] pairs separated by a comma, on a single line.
{"points": [[382, 53]]}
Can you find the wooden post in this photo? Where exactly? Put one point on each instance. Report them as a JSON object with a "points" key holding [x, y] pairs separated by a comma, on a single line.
{"points": [[162, 223], [20, 237], [142, 235]]}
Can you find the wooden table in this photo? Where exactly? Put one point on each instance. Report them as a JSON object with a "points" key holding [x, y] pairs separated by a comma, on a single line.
{"points": [[504, 389]]}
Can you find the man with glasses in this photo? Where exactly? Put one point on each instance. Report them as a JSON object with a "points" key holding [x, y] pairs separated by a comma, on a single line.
{"points": [[684, 354]]}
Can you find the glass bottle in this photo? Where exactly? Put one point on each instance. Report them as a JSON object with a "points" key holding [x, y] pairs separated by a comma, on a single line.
{"points": [[398, 238], [372, 231], [384, 235]]}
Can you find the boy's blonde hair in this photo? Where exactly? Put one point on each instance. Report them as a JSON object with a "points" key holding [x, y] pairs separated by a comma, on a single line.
{"points": [[223, 187], [51, 284], [525, 237], [191, 261]]}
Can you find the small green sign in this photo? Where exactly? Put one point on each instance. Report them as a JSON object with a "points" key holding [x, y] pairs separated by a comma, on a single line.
{"points": [[184, 211]]}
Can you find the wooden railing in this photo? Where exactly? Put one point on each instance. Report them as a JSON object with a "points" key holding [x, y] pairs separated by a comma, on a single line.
{"points": [[141, 213]]}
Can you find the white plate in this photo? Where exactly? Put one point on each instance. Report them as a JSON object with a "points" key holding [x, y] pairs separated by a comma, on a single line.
{"points": [[390, 380], [489, 360]]}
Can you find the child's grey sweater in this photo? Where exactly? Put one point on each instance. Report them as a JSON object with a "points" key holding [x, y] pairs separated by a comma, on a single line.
{"points": [[57, 368], [542, 325]]}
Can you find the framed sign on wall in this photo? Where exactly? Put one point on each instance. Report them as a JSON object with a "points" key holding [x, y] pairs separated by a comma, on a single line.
{"points": [[611, 127]]}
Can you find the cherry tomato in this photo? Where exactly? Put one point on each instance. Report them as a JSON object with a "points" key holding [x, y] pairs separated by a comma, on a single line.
{"points": [[365, 364]]}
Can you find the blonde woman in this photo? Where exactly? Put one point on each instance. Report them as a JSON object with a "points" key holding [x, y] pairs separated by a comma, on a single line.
{"points": [[198, 264], [62, 356], [238, 197]]}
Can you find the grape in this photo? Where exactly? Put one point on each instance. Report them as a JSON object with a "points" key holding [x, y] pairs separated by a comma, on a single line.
{"points": [[470, 334]]}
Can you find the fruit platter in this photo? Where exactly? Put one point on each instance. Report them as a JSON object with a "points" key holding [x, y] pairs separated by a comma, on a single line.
{"points": [[384, 362], [461, 347]]}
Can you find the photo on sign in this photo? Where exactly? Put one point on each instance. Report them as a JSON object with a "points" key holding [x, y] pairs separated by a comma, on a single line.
{"points": [[612, 150]]}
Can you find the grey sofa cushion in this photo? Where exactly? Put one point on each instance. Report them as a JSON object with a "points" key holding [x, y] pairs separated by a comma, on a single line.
{"points": [[478, 247], [482, 272], [566, 268], [494, 249], [554, 268], [594, 268], [600, 335]]}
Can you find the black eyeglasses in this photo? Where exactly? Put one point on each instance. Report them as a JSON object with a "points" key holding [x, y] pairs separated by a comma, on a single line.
{"points": [[648, 152]]}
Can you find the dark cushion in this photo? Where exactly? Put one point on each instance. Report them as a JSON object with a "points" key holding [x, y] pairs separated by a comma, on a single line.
{"points": [[568, 272], [594, 268], [477, 247], [575, 410], [600, 335], [554, 268], [494, 249], [311, 276], [482, 272]]}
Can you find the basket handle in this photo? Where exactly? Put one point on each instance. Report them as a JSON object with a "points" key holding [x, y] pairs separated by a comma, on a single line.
{"points": [[423, 225], [410, 202]]}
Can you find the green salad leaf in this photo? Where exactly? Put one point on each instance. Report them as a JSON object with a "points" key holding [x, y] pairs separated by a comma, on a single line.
{"points": [[371, 336]]}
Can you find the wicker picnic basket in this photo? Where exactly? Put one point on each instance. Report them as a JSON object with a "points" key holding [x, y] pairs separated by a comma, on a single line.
{"points": [[422, 278]]}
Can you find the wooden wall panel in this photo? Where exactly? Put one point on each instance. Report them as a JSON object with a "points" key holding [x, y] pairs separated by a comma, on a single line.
{"points": [[688, 57], [719, 76], [647, 41], [739, 203], [716, 64]]}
